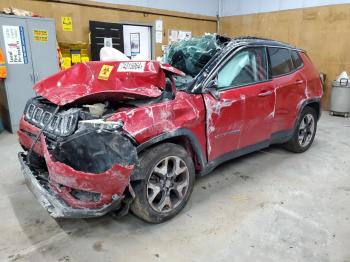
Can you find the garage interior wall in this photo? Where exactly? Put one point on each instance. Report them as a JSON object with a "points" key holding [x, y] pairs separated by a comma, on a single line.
{"points": [[83, 11], [321, 31], [199, 7]]}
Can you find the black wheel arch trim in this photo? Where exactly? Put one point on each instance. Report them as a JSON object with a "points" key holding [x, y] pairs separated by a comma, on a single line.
{"points": [[308, 102], [181, 132]]}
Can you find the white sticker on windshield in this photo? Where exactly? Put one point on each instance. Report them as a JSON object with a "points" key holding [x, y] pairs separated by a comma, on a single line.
{"points": [[131, 67]]}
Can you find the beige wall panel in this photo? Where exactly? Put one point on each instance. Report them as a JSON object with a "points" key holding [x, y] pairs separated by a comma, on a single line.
{"points": [[322, 31], [82, 14]]}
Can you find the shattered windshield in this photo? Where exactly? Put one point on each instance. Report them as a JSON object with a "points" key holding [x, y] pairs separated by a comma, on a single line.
{"points": [[190, 56]]}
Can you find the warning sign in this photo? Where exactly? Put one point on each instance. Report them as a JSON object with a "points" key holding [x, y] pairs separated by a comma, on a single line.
{"points": [[41, 35], [67, 23], [15, 44], [105, 72]]}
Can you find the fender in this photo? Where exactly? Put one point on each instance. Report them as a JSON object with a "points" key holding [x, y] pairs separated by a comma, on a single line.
{"points": [[181, 132], [304, 104]]}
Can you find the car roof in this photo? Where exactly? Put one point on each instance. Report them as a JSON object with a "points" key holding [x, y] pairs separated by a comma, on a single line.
{"points": [[250, 40]]}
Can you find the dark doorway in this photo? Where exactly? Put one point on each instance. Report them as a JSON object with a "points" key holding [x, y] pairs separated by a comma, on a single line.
{"points": [[101, 30]]}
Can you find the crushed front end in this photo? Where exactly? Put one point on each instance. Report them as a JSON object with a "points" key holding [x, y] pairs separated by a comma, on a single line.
{"points": [[75, 166]]}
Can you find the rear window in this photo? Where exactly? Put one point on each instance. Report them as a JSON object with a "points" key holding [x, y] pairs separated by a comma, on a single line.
{"points": [[297, 61], [281, 61]]}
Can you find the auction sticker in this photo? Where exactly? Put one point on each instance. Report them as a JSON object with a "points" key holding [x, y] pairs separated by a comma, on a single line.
{"points": [[15, 45], [131, 67], [105, 72]]}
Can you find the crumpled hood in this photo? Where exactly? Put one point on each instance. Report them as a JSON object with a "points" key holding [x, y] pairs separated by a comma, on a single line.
{"points": [[100, 81]]}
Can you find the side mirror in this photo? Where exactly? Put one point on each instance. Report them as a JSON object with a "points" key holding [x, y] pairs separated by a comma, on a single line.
{"points": [[213, 88]]}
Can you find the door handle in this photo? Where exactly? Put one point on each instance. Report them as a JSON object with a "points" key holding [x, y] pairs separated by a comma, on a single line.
{"points": [[299, 82], [265, 93]]}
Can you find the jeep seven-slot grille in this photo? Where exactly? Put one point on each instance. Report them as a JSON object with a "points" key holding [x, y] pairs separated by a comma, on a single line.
{"points": [[62, 124]]}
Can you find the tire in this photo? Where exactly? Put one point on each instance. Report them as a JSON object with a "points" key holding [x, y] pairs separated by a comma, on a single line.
{"points": [[169, 175], [303, 137]]}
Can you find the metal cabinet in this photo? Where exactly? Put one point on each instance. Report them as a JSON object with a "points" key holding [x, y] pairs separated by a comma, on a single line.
{"points": [[30, 49]]}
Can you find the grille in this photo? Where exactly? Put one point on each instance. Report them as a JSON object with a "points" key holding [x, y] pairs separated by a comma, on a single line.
{"points": [[62, 124]]}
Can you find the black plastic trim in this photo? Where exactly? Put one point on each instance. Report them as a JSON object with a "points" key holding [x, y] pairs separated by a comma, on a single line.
{"points": [[200, 155], [276, 138], [308, 102], [232, 155]]}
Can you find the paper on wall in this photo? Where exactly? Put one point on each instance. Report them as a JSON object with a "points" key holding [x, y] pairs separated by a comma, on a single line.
{"points": [[184, 35], [173, 35], [159, 37], [108, 42], [67, 23], [159, 25], [41, 35]]}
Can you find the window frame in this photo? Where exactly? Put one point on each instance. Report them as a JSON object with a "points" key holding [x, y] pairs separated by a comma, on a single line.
{"points": [[290, 52], [231, 56], [301, 59]]}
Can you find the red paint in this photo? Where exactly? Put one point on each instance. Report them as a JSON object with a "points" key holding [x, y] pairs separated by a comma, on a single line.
{"points": [[109, 183], [292, 90], [185, 111], [241, 117], [81, 82]]}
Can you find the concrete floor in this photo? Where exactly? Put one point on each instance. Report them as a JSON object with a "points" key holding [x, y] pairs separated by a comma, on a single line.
{"points": [[268, 206]]}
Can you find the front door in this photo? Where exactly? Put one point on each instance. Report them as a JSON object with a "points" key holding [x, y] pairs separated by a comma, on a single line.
{"points": [[243, 113]]}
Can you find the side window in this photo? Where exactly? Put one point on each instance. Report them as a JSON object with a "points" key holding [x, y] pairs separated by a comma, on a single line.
{"points": [[281, 62], [297, 61], [246, 67]]}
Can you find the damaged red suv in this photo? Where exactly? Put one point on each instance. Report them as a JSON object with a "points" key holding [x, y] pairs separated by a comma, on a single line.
{"points": [[109, 136]]}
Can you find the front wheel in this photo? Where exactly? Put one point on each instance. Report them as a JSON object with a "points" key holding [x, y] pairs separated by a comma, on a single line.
{"points": [[169, 178], [304, 133]]}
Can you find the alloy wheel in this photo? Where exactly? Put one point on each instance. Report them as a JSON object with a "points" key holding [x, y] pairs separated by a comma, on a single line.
{"points": [[306, 130], [168, 184]]}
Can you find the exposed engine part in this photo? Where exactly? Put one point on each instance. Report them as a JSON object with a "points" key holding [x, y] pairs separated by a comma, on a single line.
{"points": [[96, 109]]}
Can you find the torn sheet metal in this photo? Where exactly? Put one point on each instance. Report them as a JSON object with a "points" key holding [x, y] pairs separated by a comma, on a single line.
{"points": [[53, 204], [90, 82], [63, 178], [144, 123]]}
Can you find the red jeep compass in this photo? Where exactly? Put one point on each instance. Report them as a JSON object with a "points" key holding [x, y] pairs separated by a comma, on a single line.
{"points": [[106, 136]]}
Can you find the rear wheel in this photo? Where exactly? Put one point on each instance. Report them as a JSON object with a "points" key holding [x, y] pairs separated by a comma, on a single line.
{"points": [[169, 178], [304, 133]]}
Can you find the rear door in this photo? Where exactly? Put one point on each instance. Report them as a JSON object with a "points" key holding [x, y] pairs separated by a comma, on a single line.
{"points": [[290, 86], [242, 113], [101, 30]]}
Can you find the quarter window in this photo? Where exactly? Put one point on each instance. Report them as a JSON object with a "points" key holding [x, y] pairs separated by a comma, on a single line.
{"points": [[297, 61], [281, 61], [246, 67]]}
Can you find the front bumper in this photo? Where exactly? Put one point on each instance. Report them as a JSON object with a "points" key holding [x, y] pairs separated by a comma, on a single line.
{"points": [[52, 202], [71, 192]]}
